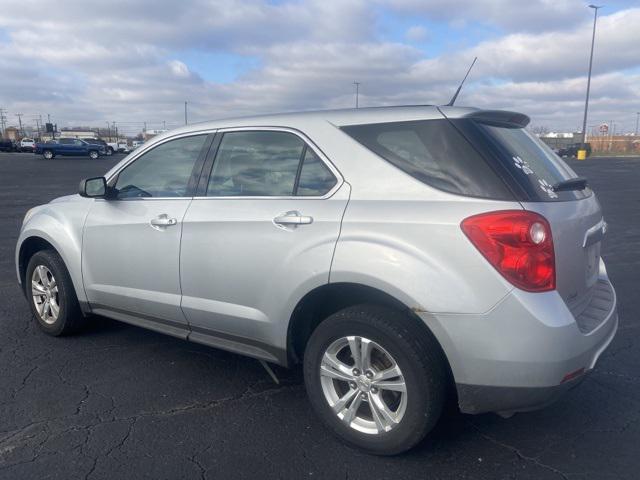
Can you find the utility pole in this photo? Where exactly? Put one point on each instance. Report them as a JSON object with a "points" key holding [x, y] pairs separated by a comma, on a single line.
{"points": [[586, 103], [3, 121], [637, 119], [185, 114], [357, 84], [19, 115], [164, 125], [109, 130]]}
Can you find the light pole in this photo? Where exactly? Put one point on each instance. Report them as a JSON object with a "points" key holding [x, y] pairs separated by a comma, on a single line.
{"points": [[586, 103], [185, 113], [357, 84], [637, 118]]}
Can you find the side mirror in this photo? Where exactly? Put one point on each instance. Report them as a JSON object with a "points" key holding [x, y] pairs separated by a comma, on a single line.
{"points": [[95, 187]]}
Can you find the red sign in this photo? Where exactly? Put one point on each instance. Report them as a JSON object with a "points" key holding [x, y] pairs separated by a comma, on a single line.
{"points": [[604, 128]]}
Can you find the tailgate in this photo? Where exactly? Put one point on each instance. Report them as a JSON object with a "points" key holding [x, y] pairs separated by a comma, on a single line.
{"points": [[577, 228]]}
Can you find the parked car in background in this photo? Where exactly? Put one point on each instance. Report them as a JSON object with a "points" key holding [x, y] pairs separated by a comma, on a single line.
{"points": [[110, 147], [136, 143], [403, 255], [27, 145], [69, 146], [572, 150], [7, 145]]}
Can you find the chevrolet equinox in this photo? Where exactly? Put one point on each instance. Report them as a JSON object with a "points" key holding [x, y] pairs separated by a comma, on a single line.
{"points": [[397, 253]]}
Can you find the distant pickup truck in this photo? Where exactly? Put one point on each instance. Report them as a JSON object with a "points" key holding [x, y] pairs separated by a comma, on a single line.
{"points": [[69, 146], [7, 145], [572, 150]]}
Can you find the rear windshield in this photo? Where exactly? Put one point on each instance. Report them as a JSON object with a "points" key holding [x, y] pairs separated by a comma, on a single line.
{"points": [[471, 158], [535, 167]]}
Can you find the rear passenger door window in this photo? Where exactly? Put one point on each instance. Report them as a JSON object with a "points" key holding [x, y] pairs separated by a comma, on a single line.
{"points": [[315, 177], [267, 164]]}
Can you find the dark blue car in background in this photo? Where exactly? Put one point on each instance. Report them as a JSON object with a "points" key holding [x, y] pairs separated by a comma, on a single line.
{"points": [[69, 146]]}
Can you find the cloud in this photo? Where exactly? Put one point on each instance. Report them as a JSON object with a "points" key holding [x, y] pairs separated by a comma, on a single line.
{"points": [[127, 68], [416, 33], [528, 15]]}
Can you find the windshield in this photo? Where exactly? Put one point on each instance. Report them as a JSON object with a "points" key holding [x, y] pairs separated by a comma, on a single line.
{"points": [[532, 163]]}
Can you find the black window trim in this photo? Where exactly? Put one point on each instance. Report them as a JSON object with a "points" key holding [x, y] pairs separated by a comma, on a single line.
{"points": [[203, 184], [196, 172]]}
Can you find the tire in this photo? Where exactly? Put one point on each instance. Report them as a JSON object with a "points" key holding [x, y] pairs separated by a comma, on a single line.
{"points": [[48, 154], [109, 151], [93, 154], [48, 264], [422, 366]]}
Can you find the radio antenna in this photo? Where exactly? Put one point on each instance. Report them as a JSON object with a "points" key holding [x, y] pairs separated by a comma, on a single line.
{"points": [[455, 95]]}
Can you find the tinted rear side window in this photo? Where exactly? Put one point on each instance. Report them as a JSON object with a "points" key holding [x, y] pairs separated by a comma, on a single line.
{"points": [[434, 152]]}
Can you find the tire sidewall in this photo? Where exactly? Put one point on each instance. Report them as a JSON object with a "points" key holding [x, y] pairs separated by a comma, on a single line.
{"points": [[65, 296], [93, 155], [423, 405]]}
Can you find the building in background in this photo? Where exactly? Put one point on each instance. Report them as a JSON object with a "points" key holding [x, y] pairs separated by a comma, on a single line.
{"points": [[11, 133]]}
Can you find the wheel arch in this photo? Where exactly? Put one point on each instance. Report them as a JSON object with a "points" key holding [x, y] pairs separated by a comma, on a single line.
{"points": [[323, 301]]}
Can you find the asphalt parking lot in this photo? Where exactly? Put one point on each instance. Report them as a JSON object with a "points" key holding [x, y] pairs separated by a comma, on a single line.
{"points": [[120, 402]]}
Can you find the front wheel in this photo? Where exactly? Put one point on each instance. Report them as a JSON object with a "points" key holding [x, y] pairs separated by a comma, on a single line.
{"points": [[48, 154], [93, 155], [375, 378], [51, 295]]}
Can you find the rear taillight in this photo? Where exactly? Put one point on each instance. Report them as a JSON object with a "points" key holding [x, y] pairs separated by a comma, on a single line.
{"points": [[518, 244]]}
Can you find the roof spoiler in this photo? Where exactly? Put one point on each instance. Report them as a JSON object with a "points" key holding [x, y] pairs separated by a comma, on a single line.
{"points": [[500, 118]]}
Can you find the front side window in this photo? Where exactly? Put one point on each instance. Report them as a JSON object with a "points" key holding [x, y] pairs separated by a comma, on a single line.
{"points": [[256, 163], [164, 171]]}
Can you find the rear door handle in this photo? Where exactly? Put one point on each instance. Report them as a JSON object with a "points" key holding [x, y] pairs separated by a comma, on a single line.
{"points": [[292, 218], [163, 221]]}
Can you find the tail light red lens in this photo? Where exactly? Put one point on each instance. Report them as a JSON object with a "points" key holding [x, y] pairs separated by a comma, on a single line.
{"points": [[518, 244]]}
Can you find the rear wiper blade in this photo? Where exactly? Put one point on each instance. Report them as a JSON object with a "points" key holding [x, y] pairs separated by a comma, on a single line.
{"points": [[578, 183]]}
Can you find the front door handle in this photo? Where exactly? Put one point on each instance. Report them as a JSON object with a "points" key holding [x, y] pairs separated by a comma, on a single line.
{"points": [[292, 218], [162, 221]]}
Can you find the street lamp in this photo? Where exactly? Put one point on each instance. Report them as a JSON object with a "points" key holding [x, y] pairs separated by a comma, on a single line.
{"points": [[586, 103], [357, 84]]}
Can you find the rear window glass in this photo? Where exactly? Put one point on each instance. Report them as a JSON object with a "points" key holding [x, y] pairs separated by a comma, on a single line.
{"points": [[532, 163], [434, 152]]}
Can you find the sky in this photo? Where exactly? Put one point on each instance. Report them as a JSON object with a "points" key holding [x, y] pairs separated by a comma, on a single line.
{"points": [[87, 62]]}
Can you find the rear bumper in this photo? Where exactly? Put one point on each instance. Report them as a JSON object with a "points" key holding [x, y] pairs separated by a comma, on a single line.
{"points": [[523, 354]]}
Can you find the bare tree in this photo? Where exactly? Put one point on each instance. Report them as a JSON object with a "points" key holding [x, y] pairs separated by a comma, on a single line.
{"points": [[540, 130]]}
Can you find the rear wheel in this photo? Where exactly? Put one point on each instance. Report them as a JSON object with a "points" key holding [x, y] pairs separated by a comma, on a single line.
{"points": [[93, 154], [109, 151], [375, 378], [48, 154], [51, 294]]}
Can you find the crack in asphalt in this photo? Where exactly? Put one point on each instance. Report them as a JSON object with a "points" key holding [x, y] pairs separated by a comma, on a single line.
{"points": [[248, 393], [518, 453]]}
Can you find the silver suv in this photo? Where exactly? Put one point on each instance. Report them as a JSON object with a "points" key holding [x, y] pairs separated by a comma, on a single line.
{"points": [[400, 254]]}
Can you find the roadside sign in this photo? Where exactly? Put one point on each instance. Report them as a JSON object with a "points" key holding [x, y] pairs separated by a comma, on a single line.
{"points": [[604, 128]]}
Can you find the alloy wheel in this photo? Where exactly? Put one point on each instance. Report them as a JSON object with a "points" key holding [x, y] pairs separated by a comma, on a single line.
{"points": [[44, 290], [363, 385]]}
